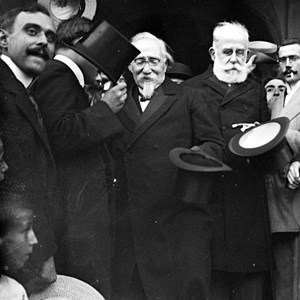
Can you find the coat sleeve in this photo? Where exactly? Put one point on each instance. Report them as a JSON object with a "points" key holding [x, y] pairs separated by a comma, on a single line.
{"points": [[206, 127], [70, 122]]}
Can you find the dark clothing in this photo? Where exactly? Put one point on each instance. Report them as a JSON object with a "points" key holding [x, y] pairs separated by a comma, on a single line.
{"points": [[170, 238], [31, 172], [78, 134], [241, 227]]}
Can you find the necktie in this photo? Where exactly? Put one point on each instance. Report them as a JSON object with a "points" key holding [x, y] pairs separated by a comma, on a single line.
{"points": [[36, 109]]}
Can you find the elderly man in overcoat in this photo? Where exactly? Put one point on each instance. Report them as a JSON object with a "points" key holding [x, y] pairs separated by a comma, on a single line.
{"points": [[161, 246], [240, 251]]}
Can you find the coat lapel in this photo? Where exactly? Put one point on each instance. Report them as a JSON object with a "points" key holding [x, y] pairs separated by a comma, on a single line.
{"points": [[157, 107], [16, 92]]}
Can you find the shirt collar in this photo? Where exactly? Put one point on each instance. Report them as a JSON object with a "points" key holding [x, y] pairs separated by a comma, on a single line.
{"points": [[295, 87], [73, 66], [20, 75]]}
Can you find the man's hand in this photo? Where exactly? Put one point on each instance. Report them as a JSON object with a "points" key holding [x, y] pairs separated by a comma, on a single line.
{"points": [[250, 65], [293, 175], [116, 96]]}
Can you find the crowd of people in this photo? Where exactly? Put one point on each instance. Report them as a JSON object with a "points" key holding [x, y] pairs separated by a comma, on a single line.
{"points": [[87, 188]]}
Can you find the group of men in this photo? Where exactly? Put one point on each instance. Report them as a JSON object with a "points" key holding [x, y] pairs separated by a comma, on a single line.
{"points": [[104, 192]]}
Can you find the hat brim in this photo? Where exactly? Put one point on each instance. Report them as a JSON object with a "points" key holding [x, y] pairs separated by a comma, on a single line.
{"points": [[259, 139], [198, 161], [262, 46]]}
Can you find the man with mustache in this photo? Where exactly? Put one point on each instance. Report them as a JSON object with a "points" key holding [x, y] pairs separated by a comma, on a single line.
{"points": [[284, 194], [27, 38], [161, 248], [240, 248]]}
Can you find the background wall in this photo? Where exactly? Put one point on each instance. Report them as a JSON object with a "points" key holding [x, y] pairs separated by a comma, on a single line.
{"points": [[186, 25]]}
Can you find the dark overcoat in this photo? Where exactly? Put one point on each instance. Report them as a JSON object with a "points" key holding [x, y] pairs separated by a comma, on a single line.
{"points": [[31, 172], [170, 237], [78, 134], [241, 227]]}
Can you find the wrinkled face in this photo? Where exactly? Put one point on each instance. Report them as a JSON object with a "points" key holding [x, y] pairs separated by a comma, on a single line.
{"points": [[150, 65], [229, 55], [31, 42], [17, 243], [289, 62], [3, 165], [275, 89]]}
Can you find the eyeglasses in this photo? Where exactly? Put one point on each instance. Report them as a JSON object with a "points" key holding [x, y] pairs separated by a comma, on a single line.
{"points": [[292, 59], [151, 61]]}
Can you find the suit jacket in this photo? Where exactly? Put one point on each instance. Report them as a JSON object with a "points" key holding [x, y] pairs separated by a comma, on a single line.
{"points": [[78, 134], [31, 170], [281, 198], [240, 238], [170, 237]]}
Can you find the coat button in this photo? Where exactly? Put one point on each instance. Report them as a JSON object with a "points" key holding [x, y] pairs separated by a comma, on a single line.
{"points": [[155, 147]]}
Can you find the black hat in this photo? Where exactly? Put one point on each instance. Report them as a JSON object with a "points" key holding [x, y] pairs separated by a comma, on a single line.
{"points": [[198, 161], [265, 143], [107, 49], [179, 70]]}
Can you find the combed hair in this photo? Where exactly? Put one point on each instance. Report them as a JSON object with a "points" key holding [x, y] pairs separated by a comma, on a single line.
{"points": [[7, 20], [70, 30], [149, 36], [217, 33]]}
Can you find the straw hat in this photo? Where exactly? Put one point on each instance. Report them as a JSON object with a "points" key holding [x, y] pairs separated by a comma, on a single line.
{"points": [[68, 288]]}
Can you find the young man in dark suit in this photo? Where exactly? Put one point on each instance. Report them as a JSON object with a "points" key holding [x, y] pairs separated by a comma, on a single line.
{"points": [[79, 135], [161, 242], [27, 38]]}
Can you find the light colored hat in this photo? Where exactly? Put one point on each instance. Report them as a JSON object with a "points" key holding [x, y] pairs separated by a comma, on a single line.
{"points": [[64, 10], [68, 288]]}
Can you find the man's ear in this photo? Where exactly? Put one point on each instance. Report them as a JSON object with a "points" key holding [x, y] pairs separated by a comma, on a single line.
{"points": [[130, 68], [211, 51], [3, 38]]}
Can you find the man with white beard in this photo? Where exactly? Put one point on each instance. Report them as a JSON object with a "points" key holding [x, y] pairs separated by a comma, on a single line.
{"points": [[240, 248], [162, 244]]}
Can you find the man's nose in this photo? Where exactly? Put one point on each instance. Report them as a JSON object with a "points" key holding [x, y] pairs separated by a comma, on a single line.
{"points": [[32, 237], [288, 62], [233, 57], [276, 92], [42, 39]]}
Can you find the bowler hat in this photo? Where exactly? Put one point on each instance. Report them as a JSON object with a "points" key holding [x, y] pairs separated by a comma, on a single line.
{"points": [[199, 161], [107, 49], [266, 144], [179, 70]]}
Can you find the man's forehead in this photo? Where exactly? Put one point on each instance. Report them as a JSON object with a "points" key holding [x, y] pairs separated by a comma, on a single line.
{"points": [[289, 50], [38, 18], [275, 82], [148, 47], [232, 42]]}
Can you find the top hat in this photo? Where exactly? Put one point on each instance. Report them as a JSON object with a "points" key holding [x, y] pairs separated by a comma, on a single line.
{"points": [[64, 10], [179, 70], [265, 143], [107, 49], [198, 161], [68, 288]]}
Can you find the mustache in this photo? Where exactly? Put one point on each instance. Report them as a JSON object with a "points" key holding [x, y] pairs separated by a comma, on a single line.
{"points": [[42, 52], [289, 71]]}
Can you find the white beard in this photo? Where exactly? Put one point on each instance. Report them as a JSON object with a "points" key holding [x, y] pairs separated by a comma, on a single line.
{"points": [[234, 76], [148, 89]]}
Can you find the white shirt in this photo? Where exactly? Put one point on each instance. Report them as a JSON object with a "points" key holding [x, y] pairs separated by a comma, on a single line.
{"points": [[73, 66], [291, 92], [20, 75], [10, 289]]}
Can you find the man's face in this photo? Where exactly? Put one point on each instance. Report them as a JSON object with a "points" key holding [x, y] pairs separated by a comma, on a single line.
{"points": [[17, 244], [229, 56], [3, 165], [275, 89], [31, 42], [150, 66], [289, 62]]}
